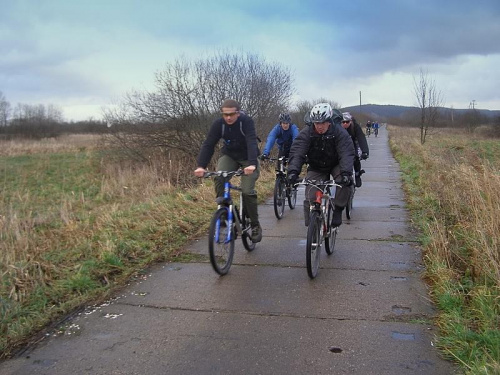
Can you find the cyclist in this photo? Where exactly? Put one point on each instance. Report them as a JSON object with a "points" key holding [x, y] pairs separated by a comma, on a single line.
{"points": [[368, 128], [375, 126], [361, 150], [283, 134], [240, 150], [329, 151]]}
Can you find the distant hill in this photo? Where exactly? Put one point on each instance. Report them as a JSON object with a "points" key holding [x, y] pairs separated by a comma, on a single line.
{"points": [[385, 112]]}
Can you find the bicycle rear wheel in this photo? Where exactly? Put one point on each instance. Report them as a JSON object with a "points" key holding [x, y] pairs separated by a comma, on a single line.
{"points": [[279, 197], [313, 245], [246, 229], [221, 249], [331, 236]]}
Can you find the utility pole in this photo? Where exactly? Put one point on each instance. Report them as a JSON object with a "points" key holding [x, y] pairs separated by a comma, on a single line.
{"points": [[472, 104], [360, 102]]}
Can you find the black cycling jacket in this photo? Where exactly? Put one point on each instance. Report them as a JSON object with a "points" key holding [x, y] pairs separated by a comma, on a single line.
{"points": [[358, 136], [240, 141], [323, 151]]}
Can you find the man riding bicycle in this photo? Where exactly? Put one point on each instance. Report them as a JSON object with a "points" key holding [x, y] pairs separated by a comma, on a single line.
{"points": [[361, 150], [240, 150], [283, 135], [329, 151]]}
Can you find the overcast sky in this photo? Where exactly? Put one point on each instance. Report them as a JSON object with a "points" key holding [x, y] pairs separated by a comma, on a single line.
{"points": [[85, 54]]}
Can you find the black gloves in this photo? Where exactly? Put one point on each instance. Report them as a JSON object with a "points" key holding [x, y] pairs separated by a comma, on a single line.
{"points": [[292, 178], [364, 155], [264, 157], [344, 180]]}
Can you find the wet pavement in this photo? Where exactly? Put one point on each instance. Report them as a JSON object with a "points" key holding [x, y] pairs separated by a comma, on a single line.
{"points": [[367, 312]]}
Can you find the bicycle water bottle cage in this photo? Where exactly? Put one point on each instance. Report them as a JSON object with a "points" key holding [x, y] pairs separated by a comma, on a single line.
{"points": [[223, 201]]}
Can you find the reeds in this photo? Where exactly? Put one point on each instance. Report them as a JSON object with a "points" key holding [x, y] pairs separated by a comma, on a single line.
{"points": [[453, 191]]}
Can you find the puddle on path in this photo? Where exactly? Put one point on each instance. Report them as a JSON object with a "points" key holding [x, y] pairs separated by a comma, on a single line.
{"points": [[45, 362], [399, 278], [401, 310], [403, 336], [399, 265]]}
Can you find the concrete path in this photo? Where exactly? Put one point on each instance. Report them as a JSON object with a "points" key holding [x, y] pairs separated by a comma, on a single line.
{"points": [[367, 312]]}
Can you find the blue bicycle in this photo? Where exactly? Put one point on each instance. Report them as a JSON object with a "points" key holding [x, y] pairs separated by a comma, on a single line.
{"points": [[227, 223]]}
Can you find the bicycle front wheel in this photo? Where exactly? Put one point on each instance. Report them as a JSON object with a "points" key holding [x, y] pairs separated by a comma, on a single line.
{"points": [[292, 197], [221, 241], [313, 245], [331, 236], [348, 207], [246, 229], [279, 198]]}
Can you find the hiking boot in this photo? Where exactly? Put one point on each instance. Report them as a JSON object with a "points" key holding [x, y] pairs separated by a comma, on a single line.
{"points": [[337, 218], [256, 233]]}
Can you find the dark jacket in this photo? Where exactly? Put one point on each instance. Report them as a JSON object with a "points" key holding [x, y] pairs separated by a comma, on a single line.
{"points": [[323, 151], [240, 141], [358, 137]]}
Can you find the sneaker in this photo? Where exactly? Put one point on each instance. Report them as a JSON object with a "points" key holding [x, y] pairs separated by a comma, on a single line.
{"points": [[337, 218], [256, 233]]}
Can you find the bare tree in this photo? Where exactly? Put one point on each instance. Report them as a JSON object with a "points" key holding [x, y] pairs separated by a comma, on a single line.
{"points": [[304, 107], [187, 97], [429, 99], [4, 110]]}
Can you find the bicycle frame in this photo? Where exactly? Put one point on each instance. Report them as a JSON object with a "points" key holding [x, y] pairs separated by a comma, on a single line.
{"points": [[319, 229], [233, 212], [227, 218]]}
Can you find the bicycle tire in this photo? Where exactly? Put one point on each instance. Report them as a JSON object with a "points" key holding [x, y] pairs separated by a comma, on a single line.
{"points": [[313, 245], [279, 197], [220, 250], [246, 228], [292, 197], [348, 207], [331, 235]]}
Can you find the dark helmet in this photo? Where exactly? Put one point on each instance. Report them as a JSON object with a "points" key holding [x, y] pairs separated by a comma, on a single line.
{"points": [[285, 117]]}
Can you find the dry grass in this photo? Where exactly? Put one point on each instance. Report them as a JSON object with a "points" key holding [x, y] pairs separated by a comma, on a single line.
{"points": [[453, 190], [72, 227], [64, 143]]}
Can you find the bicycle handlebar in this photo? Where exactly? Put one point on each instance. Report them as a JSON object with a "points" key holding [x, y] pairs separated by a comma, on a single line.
{"points": [[224, 174], [318, 183]]}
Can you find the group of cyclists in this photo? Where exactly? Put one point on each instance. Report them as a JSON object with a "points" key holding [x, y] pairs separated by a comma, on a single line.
{"points": [[372, 125], [333, 144]]}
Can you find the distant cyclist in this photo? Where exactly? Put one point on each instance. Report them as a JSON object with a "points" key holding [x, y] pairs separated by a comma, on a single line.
{"points": [[368, 129], [283, 134], [361, 150], [375, 126]]}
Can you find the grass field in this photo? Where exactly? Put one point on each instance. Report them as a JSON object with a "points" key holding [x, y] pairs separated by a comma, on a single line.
{"points": [[73, 228], [452, 187]]}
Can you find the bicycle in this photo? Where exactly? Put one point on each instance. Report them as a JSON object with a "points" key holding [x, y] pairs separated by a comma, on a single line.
{"points": [[282, 188], [227, 223], [375, 131], [368, 131], [320, 228]]}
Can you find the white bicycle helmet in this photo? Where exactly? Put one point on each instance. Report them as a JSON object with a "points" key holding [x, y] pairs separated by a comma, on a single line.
{"points": [[321, 112], [346, 116]]}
